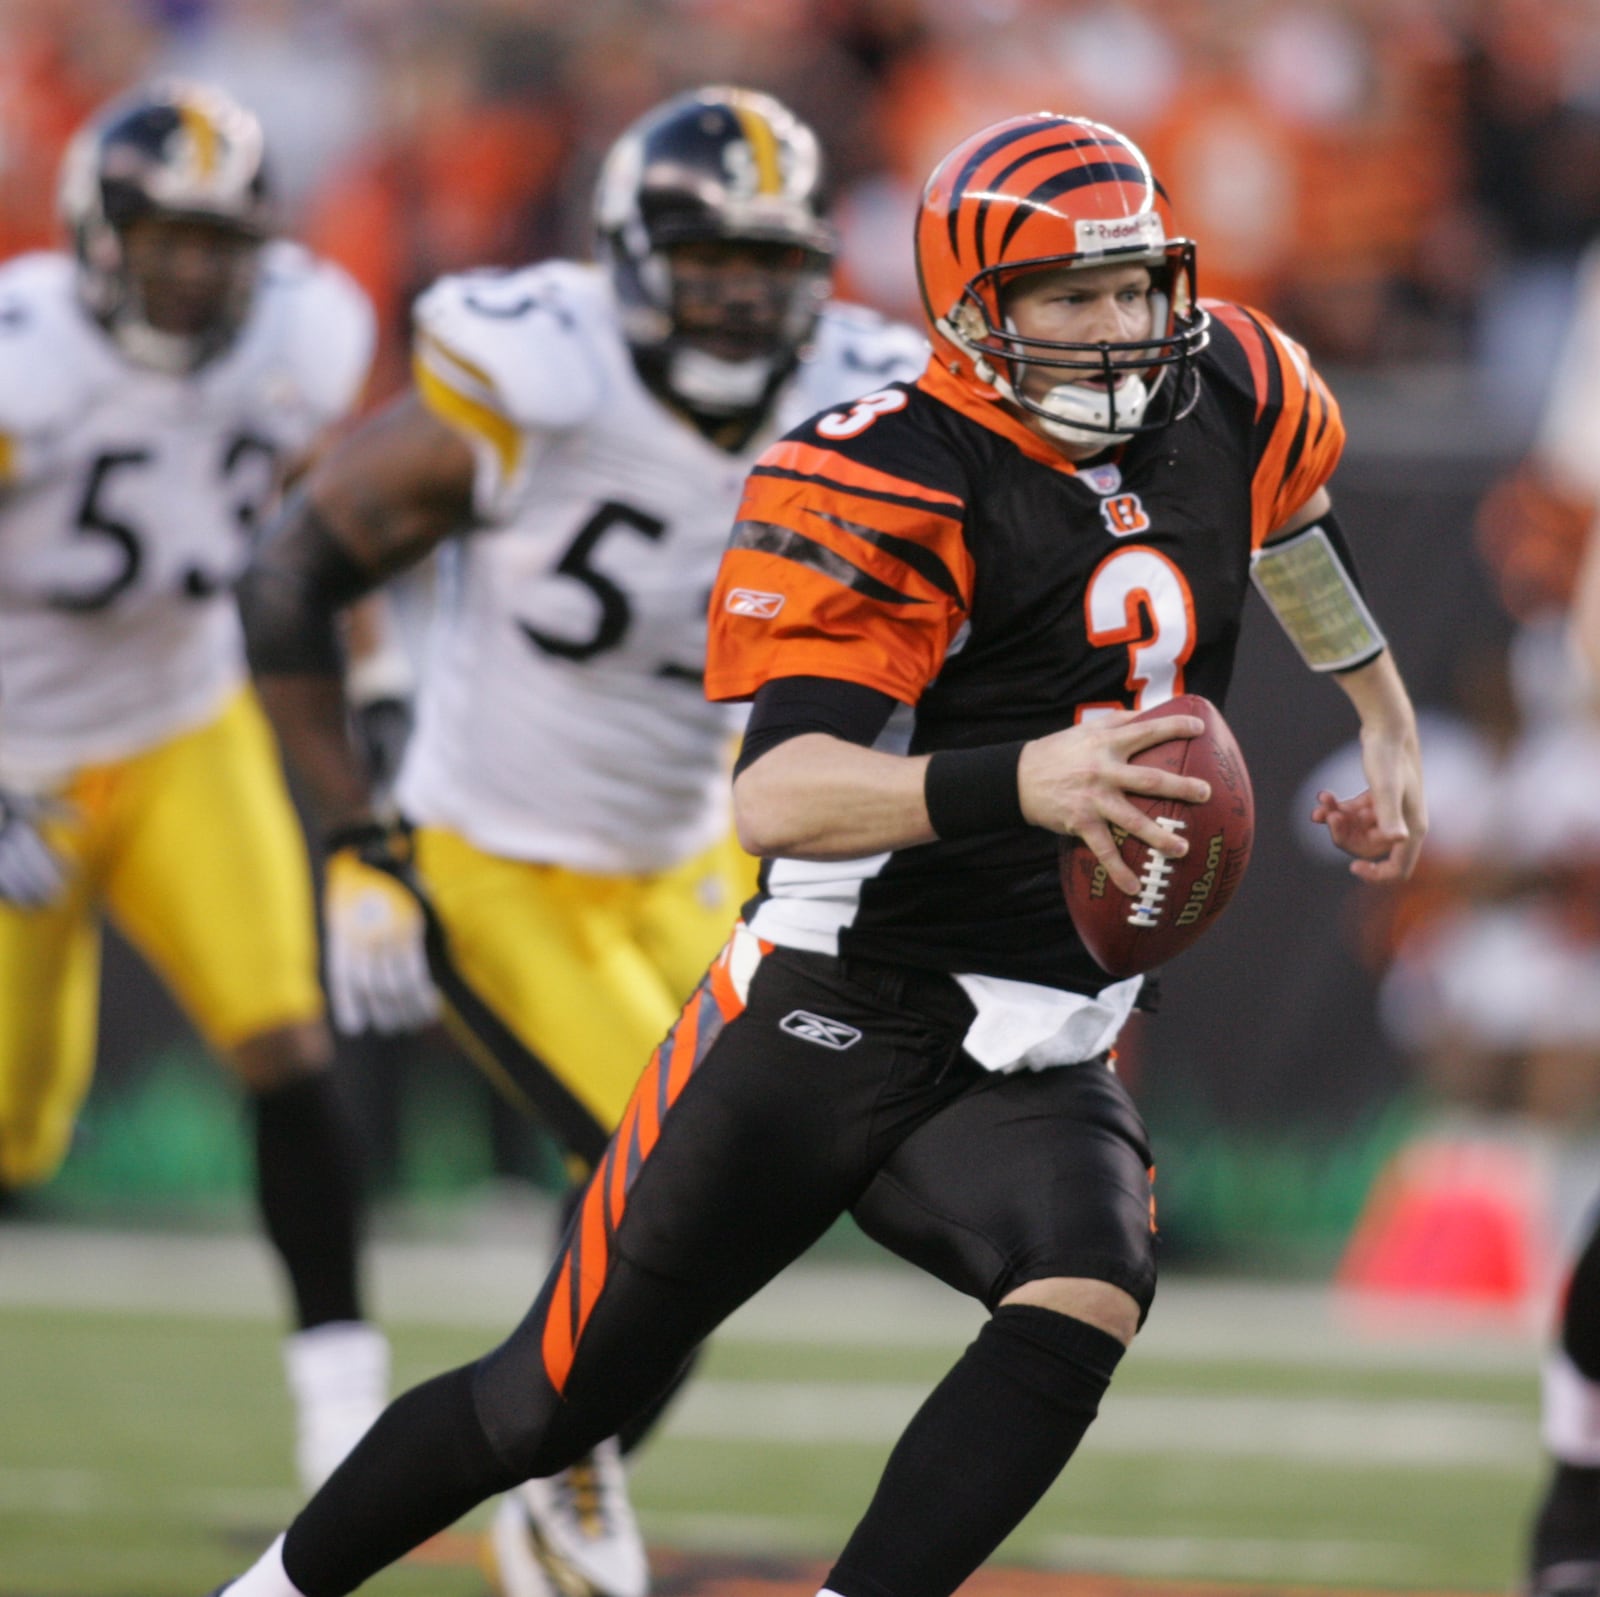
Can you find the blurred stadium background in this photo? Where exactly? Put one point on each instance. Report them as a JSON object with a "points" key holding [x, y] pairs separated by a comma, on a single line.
{"points": [[1410, 186]]}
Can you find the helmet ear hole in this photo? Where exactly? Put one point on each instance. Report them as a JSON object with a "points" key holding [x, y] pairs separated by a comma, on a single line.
{"points": [[968, 322]]}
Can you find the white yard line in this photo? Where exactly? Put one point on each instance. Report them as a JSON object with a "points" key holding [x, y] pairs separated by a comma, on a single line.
{"points": [[1227, 1557], [489, 1283], [1408, 1433], [1236, 1558]]}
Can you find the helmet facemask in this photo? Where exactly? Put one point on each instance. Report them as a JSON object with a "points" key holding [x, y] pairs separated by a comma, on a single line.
{"points": [[1107, 391], [708, 221], [740, 310], [165, 197]]}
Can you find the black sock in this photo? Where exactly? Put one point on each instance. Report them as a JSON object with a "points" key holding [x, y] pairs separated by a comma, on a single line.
{"points": [[424, 1463], [1580, 1319], [310, 1195], [979, 1454]]}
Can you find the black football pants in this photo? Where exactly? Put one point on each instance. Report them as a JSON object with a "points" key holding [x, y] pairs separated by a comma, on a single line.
{"points": [[838, 1086]]}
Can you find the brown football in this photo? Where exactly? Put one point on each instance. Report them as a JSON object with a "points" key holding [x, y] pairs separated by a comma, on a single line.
{"points": [[1180, 898]]}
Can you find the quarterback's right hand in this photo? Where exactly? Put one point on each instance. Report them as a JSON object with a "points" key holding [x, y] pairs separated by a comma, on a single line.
{"points": [[31, 873], [1076, 782], [377, 964]]}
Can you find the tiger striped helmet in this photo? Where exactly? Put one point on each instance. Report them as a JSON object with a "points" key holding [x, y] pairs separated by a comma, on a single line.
{"points": [[1048, 191]]}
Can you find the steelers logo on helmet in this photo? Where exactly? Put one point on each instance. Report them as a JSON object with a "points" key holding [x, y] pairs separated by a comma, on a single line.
{"points": [[708, 217], [165, 195], [1049, 193]]}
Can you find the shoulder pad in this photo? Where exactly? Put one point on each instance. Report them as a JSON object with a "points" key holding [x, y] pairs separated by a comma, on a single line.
{"points": [[522, 343], [1297, 433], [329, 328], [866, 349], [1255, 355], [45, 346], [889, 439]]}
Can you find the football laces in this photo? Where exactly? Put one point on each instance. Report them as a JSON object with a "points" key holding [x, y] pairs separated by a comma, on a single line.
{"points": [[1145, 911]]}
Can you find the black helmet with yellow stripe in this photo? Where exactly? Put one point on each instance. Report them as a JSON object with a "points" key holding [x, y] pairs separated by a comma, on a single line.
{"points": [[708, 217], [165, 195]]}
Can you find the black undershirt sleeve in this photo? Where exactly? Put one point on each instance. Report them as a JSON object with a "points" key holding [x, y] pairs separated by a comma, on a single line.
{"points": [[788, 707], [298, 581]]}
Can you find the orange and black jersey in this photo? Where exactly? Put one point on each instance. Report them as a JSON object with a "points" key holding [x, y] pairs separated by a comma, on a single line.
{"points": [[925, 544]]}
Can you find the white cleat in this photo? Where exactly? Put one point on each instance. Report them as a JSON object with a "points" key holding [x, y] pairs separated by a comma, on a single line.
{"points": [[570, 1535], [339, 1379]]}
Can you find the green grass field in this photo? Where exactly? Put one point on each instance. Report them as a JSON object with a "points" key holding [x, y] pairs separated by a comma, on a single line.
{"points": [[144, 1444]]}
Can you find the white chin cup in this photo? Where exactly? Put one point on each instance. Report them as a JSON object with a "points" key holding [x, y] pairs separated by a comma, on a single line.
{"points": [[703, 382], [1082, 415], [145, 346]]}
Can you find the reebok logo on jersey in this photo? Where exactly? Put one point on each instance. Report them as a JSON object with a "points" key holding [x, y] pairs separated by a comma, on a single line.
{"points": [[819, 1029], [752, 602]]}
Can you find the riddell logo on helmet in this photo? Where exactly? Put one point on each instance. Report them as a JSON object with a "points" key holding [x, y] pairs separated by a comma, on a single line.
{"points": [[752, 602], [1095, 233]]}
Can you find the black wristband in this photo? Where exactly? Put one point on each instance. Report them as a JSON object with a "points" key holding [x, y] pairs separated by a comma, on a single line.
{"points": [[359, 835], [972, 791]]}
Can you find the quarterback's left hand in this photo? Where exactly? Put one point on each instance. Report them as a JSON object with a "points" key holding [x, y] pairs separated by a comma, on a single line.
{"points": [[1384, 826], [377, 961]]}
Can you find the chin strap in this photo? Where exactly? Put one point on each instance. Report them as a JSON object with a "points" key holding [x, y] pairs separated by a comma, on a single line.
{"points": [[718, 387], [1083, 415], [145, 345], [1072, 412]]}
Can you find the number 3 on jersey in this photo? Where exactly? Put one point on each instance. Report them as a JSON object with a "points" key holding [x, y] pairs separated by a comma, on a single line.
{"points": [[862, 414], [1139, 600]]}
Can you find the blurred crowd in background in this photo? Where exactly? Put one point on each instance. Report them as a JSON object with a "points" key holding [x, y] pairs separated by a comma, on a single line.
{"points": [[1395, 179], [1405, 184]]}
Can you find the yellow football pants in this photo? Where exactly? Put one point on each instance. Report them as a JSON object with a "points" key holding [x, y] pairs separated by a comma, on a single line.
{"points": [[588, 972], [193, 849]]}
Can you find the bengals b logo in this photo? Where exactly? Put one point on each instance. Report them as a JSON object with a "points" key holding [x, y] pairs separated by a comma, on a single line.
{"points": [[1123, 515]]}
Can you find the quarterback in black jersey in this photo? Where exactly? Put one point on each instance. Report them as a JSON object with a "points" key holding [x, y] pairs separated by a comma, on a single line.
{"points": [[947, 602]]}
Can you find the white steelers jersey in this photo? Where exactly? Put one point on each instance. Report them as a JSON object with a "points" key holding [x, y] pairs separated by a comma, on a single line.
{"points": [[128, 498], [562, 716]]}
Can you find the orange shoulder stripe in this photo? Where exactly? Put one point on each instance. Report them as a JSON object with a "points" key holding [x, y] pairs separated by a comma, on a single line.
{"points": [[1306, 443], [830, 464], [920, 555]]}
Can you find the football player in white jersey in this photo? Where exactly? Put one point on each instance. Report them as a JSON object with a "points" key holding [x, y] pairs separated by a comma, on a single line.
{"points": [[563, 803], [157, 383]]}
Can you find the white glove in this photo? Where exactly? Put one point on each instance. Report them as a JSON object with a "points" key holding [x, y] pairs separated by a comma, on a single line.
{"points": [[377, 966], [32, 875]]}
